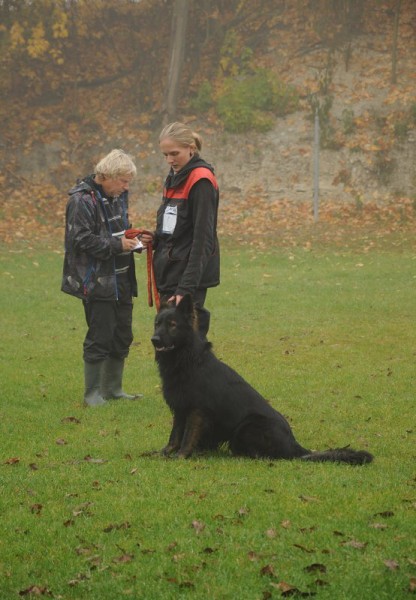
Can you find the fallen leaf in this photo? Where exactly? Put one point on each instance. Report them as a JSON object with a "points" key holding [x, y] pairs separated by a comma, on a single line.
{"points": [[386, 514], [286, 589], [172, 546], [82, 509], [243, 511], [116, 527], [209, 550], [315, 567], [70, 420], [124, 558], [308, 498], [391, 564], [378, 525], [36, 590], [177, 557], [96, 461], [271, 533], [78, 578], [69, 523], [12, 461], [267, 570], [94, 561], [355, 544], [307, 529], [198, 526], [308, 550], [186, 584]]}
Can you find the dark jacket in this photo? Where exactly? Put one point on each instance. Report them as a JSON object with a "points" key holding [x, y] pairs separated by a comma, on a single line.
{"points": [[90, 244], [187, 255]]}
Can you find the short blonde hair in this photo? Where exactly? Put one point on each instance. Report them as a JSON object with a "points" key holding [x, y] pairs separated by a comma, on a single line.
{"points": [[116, 163], [183, 135]]}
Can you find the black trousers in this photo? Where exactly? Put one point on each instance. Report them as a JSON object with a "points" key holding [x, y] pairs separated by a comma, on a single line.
{"points": [[109, 323], [204, 316]]}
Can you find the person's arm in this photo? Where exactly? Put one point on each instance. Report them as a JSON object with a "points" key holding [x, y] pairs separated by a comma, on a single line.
{"points": [[83, 231]]}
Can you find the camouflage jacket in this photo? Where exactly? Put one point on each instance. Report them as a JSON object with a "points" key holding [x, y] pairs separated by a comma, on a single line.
{"points": [[91, 246]]}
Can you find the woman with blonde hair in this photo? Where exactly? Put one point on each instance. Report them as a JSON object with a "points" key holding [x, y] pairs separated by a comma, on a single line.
{"points": [[187, 258]]}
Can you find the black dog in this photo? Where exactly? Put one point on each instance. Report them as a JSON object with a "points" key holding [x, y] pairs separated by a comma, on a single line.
{"points": [[213, 405]]}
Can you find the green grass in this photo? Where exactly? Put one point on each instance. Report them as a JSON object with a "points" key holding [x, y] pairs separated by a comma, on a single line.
{"points": [[327, 335]]}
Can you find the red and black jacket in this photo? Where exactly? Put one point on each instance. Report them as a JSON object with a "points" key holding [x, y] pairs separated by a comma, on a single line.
{"points": [[187, 255]]}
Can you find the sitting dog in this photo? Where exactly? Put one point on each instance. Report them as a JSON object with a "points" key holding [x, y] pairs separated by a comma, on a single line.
{"points": [[213, 405]]}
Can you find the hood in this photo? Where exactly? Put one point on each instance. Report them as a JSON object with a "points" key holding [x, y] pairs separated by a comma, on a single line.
{"points": [[83, 185], [175, 179]]}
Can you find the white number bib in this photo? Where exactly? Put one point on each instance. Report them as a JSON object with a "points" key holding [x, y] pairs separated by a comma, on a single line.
{"points": [[169, 219]]}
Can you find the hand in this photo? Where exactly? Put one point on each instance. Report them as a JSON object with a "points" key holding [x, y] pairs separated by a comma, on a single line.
{"points": [[128, 245], [175, 299], [146, 238]]}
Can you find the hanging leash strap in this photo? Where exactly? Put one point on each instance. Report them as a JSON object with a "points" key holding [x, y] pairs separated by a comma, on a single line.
{"points": [[151, 281]]}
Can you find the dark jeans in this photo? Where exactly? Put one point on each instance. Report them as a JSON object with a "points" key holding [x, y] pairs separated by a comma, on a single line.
{"points": [[204, 316], [109, 325]]}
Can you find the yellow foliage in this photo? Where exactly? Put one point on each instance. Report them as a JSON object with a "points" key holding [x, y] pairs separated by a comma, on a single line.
{"points": [[83, 28], [59, 28], [57, 57], [37, 44], [16, 35]]}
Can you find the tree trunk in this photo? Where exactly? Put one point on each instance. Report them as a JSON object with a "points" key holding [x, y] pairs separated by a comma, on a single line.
{"points": [[395, 38], [177, 54]]}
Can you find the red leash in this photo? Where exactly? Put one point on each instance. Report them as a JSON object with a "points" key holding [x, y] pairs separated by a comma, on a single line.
{"points": [[151, 281]]}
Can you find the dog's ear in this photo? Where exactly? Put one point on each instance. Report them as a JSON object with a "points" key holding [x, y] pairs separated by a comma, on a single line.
{"points": [[187, 309], [165, 304], [185, 306]]}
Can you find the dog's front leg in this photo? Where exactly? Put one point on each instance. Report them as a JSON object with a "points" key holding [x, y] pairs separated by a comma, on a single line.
{"points": [[192, 434], [175, 438]]}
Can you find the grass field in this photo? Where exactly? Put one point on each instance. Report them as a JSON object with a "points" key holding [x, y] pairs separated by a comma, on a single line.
{"points": [[326, 333]]}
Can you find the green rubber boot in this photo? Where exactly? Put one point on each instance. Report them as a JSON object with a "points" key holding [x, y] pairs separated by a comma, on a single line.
{"points": [[92, 376], [112, 381]]}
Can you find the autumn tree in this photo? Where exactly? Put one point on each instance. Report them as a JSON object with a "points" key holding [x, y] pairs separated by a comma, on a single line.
{"points": [[52, 46], [395, 39], [177, 53]]}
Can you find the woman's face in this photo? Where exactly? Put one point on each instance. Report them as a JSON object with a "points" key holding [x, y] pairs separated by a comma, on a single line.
{"points": [[176, 156]]}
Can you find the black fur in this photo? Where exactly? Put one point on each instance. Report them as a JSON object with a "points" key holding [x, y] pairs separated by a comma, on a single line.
{"points": [[213, 405]]}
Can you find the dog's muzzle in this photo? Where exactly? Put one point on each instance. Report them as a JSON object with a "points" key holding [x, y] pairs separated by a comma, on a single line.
{"points": [[157, 343]]}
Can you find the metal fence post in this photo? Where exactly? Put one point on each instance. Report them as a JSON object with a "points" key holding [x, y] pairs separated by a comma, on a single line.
{"points": [[316, 168]]}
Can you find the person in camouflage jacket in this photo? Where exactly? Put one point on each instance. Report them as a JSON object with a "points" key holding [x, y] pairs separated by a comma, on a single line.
{"points": [[99, 269]]}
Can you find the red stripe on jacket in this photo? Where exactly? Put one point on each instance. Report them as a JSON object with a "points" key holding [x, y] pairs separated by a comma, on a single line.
{"points": [[182, 191]]}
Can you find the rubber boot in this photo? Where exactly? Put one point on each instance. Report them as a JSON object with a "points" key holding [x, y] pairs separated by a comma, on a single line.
{"points": [[92, 375], [112, 380]]}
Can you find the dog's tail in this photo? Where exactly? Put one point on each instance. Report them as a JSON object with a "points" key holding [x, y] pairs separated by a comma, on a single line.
{"points": [[344, 455]]}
